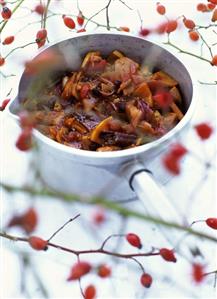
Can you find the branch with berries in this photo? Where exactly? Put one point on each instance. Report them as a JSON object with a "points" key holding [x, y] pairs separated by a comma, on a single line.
{"points": [[28, 222]]}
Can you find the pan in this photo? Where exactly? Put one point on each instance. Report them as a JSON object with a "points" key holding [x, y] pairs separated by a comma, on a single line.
{"points": [[118, 175]]}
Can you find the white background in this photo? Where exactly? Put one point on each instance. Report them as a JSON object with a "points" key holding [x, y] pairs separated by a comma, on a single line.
{"points": [[170, 280]]}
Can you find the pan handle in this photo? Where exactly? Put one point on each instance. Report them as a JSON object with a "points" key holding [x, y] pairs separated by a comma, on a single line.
{"points": [[157, 204]]}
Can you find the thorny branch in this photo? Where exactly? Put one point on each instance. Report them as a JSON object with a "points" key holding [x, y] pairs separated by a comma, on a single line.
{"points": [[20, 47], [113, 206], [169, 43], [99, 250], [107, 15]]}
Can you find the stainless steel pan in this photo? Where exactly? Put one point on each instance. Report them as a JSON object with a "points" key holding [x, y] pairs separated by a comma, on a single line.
{"points": [[78, 171]]}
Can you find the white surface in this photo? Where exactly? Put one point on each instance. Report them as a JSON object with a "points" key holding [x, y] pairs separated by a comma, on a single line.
{"points": [[170, 280]]}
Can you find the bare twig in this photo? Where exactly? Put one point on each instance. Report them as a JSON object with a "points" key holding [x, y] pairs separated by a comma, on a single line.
{"points": [[208, 83], [107, 239], [56, 232], [45, 13], [186, 52], [205, 43], [107, 15], [20, 47], [7, 76], [124, 3]]}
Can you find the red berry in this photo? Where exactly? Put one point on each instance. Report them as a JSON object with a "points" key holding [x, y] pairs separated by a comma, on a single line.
{"points": [[81, 30], [27, 221], [161, 28], [6, 13], [214, 60], [194, 36], [90, 292], [124, 28], [2, 61], [146, 280], [171, 26], [189, 23], [104, 271], [178, 150], [69, 22], [39, 9], [80, 19], [41, 34], [26, 121], [201, 7], [212, 222], [24, 141], [2, 2], [37, 243], [78, 270], [134, 240], [41, 37], [213, 1], [167, 255], [214, 16], [8, 40], [171, 163], [163, 99], [99, 216], [198, 272], [144, 31], [4, 104], [204, 130], [211, 6], [171, 160], [161, 9]]}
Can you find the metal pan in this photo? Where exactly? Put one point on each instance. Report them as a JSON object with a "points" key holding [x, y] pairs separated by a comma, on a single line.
{"points": [[122, 174]]}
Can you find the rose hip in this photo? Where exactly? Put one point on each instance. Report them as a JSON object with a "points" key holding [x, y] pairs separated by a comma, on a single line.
{"points": [[90, 292], [194, 36], [212, 222], [104, 271], [146, 280], [69, 22], [171, 26], [197, 272], [134, 240], [37, 243], [214, 16], [167, 255], [80, 19], [78, 270], [161, 9], [6, 13], [8, 40], [204, 130], [189, 23]]}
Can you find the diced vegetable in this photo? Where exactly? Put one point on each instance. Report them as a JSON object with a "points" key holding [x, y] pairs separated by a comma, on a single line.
{"points": [[144, 92], [108, 148], [165, 78], [176, 94], [177, 111], [109, 104], [102, 126]]}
